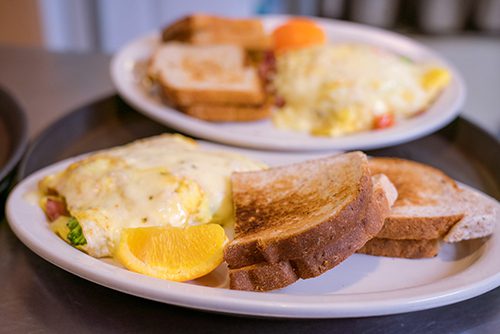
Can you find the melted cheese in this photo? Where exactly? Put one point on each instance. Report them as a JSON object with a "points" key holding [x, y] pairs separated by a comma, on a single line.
{"points": [[338, 89], [152, 182]]}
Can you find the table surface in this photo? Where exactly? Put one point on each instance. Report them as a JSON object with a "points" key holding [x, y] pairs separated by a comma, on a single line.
{"points": [[49, 85]]}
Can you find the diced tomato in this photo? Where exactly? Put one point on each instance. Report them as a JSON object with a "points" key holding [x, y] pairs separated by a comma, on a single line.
{"points": [[383, 121]]}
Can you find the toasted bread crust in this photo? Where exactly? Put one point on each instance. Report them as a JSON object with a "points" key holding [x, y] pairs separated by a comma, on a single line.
{"points": [[428, 228], [262, 215], [262, 277], [228, 113], [189, 97], [270, 276], [180, 30], [205, 29], [410, 249]]}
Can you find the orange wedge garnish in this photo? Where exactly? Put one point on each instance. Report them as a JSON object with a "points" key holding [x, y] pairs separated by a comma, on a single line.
{"points": [[172, 253]]}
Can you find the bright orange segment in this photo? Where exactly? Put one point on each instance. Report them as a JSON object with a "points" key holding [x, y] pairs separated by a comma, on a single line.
{"points": [[297, 33], [172, 253]]}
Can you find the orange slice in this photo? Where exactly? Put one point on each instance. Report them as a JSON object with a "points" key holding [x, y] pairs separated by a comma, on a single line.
{"points": [[172, 253], [297, 33]]}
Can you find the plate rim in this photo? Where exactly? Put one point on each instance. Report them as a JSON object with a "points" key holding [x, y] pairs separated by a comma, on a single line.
{"points": [[206, 130], [247, 303]]}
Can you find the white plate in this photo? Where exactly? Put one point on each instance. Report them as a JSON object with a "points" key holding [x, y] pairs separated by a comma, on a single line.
{"points": [[128, 63], [360, 286]]}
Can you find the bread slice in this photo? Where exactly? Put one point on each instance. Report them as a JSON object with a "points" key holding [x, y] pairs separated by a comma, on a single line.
{"points": [[481, 214], [213, 74], [285, 212], [430, 208], [426, 207], [265, 276], [228, 113], [410, 249], [206, 29]]}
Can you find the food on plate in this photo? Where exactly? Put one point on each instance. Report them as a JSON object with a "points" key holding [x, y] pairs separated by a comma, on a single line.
{"points": [[225, 113], [219, 69], [430, 208], [164, 207], [172, 253], [160, 181], [210, 82], [301, 220], [200, 29], [338, 89], [297, 33]]}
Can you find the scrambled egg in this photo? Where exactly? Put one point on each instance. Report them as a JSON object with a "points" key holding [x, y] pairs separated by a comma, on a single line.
{"points": [[334, 90], [151, 182]]}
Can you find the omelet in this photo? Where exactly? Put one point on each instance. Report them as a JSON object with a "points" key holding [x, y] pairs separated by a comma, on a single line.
{"points": [[163, 180], [334, 90]]}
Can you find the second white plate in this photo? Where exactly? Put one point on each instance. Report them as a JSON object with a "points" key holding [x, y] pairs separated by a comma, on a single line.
{"points": [[127, 63], [360, 286]]}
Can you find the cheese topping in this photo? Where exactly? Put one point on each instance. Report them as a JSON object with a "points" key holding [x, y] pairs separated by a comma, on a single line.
{"points": [[152, 182], [338, 89]]}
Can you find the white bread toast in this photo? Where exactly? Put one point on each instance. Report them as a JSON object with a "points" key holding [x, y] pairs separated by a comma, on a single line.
{"points": [[212, 74], [200, 29], [301, 220]]}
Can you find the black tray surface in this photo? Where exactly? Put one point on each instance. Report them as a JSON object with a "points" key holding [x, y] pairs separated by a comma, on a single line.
{"points": [[13, 141], [38, 296]]}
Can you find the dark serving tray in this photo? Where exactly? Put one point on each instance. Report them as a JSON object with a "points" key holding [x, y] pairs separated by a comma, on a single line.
{"points": [[44, 298], [13, 141]]}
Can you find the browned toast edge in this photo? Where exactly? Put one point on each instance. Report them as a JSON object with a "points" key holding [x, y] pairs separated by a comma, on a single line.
{"points": [[228, 113], [189, 97], [417, 228], [410, 249], [208, 29]]}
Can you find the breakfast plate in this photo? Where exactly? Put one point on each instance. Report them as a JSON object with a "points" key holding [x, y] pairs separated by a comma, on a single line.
{"points": [[128, 70], [360, 286]]}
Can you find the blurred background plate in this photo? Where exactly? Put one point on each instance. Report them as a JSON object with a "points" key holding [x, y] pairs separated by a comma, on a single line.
{"points": [[127, 71], [13, 140]]}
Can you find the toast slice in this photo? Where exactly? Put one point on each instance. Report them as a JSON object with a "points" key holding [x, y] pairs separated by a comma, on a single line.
{"points": [[426, 207], [430, 208], [212, 74], [228, 113], [285, 212], [202, 29], [265, 276]]}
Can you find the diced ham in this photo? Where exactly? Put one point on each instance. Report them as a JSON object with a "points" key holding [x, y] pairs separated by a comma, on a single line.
{"points": [[267, 68], [54, 208]]}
